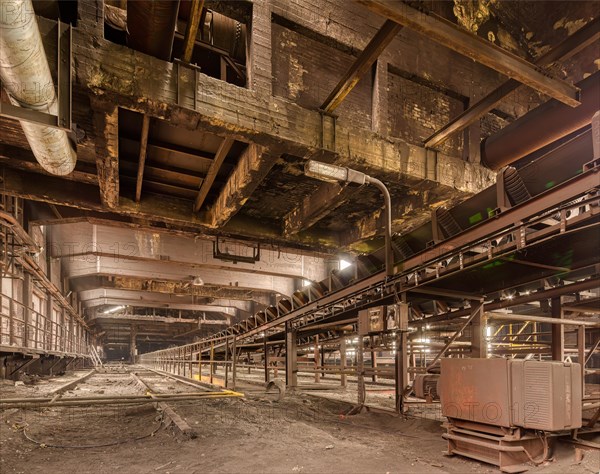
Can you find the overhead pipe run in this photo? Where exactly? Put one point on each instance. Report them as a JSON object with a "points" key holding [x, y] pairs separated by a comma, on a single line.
{"points": [[540, 127], [27, 79]]}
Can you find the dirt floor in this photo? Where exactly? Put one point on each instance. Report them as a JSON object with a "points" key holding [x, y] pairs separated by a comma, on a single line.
{"points": [[302, 433]]}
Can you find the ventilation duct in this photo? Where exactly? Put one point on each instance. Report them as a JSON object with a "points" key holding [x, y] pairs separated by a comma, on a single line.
{"points": [[26, 78]]}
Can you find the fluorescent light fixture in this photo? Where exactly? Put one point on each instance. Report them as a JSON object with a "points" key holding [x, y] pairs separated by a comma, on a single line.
{"points": [[333, 173], [344, 264], [113, 310]]}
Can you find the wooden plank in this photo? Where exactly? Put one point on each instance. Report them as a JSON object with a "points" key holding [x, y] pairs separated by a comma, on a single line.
{"points": [[71, 385], [191, 30], [220, 156], [460, 40]]}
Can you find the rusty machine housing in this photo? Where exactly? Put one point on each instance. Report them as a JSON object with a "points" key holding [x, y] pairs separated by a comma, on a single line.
{"points": [[499, 410]]}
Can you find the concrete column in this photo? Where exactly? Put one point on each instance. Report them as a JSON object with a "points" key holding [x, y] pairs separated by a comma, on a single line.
{"points": [[259, 49], [291, 357], [558, 331]]}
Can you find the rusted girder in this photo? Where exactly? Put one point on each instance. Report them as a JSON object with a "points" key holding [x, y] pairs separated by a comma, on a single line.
{"points": [[460, 40], [363, 63], [582, 38]]}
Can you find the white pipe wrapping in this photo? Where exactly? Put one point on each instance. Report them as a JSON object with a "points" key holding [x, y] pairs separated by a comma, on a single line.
{"points": [[26, 77]]}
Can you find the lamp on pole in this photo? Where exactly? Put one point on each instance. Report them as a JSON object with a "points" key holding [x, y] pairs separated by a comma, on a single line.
{"points": [[333, 173]]}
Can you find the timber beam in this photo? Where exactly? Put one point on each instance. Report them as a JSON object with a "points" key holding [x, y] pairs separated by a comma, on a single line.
{"points": [[363, 63], [156, 210], [460, 40], [215, 166], [253, 166], [582, 38]]}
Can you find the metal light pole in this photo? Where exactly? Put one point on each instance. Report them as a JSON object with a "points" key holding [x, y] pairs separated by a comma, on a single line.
{"points": [[333, 173]]}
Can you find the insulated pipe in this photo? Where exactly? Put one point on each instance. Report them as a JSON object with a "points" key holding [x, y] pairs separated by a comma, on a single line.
{"points": [[26, 78], [540, 127]]}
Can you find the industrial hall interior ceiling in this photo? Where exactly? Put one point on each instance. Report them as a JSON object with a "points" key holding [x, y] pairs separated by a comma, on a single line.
{"points": [[299, 236]]}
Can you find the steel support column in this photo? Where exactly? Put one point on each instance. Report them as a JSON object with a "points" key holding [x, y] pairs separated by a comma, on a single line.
{"points": [[291, 357], [558, 331]]}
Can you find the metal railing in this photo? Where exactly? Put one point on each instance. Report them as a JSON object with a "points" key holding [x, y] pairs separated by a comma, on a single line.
{"points": [[23, 328]]}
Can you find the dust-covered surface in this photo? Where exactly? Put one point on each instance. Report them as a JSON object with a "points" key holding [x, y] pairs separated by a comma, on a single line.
{"points": [[302, 433]]}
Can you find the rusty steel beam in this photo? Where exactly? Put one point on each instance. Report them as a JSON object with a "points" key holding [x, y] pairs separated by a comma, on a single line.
{"points": [[571, 288], [582, 38], [142, 157], [215, 166], [453, 37], [362, 64], [541, 126]]}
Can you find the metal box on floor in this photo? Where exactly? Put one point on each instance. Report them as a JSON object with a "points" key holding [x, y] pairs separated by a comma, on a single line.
{"points": [[537, 395]]}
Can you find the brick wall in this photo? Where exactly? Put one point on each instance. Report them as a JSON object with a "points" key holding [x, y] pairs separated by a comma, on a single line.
{"points": [[416, 111], [305, 71]]}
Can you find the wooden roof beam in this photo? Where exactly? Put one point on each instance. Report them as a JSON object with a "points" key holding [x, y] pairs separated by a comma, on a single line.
{"points": [[215, 166], [362, 64], [582, 38], [460, 40], [252, 168]]}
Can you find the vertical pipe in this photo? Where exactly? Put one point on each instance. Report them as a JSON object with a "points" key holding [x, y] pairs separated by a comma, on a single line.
{"points": [[389, 258]]}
